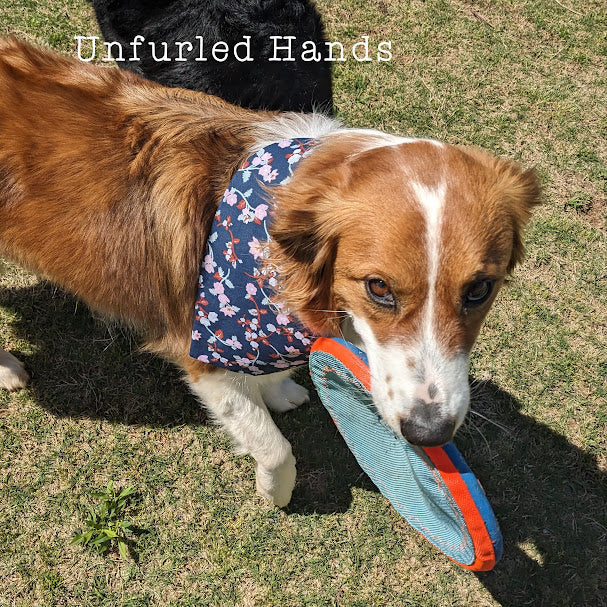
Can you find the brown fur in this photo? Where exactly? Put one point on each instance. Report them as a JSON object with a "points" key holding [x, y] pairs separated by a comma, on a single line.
{"points": [[324, 256], [108, 185]]}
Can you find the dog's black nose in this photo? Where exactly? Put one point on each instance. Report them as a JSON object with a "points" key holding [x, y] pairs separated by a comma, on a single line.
{"points": [[427, 427]]}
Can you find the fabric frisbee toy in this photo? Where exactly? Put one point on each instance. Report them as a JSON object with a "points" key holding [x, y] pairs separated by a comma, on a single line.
{"points": [[433, 488]]}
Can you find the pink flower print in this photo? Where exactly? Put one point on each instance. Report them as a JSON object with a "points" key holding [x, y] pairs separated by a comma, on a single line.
{"points": [[234, 343], [247, 216], [256, 248], [236, 334], [230, 197], [263, 159], [302, 338], [261, 212], [267, 173], [228, 311], [282, 319], [209, 266]]}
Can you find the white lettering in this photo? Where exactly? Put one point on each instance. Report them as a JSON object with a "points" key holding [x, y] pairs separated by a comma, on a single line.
{"points": [[365, 45], [287, 48], [387, 52], [201, 56], [309, 47], [80, 39], [109, 46], [247, 45], [220, 47], [220, 51], [137, 41], [166, 52], [180, 45], [341, 51]]}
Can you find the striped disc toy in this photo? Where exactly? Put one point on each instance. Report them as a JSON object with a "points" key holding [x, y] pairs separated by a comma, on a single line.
{"points": [[433, 488]]}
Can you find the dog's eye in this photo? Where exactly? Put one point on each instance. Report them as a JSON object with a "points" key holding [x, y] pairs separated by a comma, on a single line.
{"points": [[478, 293], [380, 293]]}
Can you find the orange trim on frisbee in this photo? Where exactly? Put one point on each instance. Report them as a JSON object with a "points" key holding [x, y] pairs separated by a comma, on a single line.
{"points": [[446, 460]]}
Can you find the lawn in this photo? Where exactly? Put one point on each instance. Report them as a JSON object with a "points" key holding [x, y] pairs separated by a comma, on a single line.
{"points": [[526, 79]]}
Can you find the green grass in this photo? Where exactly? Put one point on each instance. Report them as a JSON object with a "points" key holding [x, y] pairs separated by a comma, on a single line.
{"points": [[525, 79]]}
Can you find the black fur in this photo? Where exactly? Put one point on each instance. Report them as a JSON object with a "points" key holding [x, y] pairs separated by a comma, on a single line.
{"points": [[260, 84]]}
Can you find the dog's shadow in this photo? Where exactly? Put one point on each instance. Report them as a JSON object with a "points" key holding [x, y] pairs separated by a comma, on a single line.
{"points": [[549, 496]]}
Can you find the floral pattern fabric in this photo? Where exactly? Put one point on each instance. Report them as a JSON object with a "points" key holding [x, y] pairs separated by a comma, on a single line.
{"points": [[239, 324]]}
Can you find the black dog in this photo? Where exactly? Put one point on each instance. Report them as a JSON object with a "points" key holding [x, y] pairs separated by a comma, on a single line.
{"points": [[297, 85]]}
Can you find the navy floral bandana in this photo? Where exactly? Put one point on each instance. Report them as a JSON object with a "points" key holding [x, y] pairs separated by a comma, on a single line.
{"points": [[239, 324]]}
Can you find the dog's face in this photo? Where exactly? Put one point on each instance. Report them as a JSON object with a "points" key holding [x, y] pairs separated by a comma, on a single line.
{"points": [[412, 242]]}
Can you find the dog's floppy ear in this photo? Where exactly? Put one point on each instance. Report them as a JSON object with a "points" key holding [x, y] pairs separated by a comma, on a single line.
{"points": [[304, 256], [521, 190], [512, 191], [303, 246]]}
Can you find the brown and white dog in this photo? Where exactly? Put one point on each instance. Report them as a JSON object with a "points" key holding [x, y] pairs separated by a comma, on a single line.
{"points": [[109, 184]]}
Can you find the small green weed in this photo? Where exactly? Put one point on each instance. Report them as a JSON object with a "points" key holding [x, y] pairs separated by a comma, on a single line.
{"points": [[105, 525], [580, 202]]}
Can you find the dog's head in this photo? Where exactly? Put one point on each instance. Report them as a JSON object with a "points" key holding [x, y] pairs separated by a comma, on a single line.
{"points": [[408, 244]]}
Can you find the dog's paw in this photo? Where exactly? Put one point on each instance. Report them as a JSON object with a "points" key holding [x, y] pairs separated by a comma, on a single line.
{"points": [[285, 395], [12, 372], [276, 485]]}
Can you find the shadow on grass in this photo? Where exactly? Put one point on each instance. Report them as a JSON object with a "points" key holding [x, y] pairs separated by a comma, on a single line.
{"points": [[550, 499], [81, 367], [549, 496]]}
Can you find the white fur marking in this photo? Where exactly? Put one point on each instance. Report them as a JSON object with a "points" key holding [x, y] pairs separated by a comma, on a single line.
{"points": [[396, 399], [290, 125], [235, 400], [379, 139], [12, 372], [432, 203]]}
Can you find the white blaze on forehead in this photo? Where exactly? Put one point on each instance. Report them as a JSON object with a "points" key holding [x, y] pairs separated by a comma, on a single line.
{"points": [[432, 202]]}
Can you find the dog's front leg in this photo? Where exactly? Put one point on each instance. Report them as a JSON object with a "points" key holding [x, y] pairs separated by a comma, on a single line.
{"points": [[12, 372], [236, 402]]}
